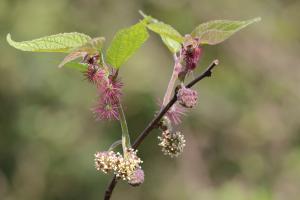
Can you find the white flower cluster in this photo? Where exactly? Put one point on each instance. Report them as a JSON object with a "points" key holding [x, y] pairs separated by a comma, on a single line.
{"points": [[172, 143], [123, 167], [127, 165], [106, 161]]}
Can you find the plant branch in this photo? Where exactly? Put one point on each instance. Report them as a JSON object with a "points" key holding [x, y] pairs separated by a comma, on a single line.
{"points": [[110, 188], [157, 118], [172, 81]]}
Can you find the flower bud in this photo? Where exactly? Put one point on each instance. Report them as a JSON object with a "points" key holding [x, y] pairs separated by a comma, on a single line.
{"points": [[137, 178], [187, 97], [191, 52], [92, 60], [172, 143], [165, 123]]}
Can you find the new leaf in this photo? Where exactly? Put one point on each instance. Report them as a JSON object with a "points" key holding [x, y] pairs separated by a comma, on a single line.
{"points": [[125, 43], [165, 30], [63, 42], [170, 36], [215, 32]]}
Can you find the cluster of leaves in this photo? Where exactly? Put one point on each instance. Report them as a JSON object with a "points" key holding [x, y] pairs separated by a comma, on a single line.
{"points": [[128, 40]]}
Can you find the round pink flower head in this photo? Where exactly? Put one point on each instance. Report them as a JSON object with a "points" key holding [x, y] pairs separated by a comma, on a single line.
{"points": [[94, 74], [187, 97], [111, 89], [106, 110], [137, 178]]}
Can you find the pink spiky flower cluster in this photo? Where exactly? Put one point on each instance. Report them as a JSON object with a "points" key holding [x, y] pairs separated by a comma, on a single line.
{"points": [[191, 56], [191, 53], [109, 88], [175, 113]]}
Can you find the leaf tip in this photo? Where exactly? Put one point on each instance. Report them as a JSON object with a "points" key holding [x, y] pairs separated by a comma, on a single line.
{"points": [[256, 19], [8, 39], [143, 14]]}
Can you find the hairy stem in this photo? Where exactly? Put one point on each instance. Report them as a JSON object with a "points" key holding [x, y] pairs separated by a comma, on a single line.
{"points": [[172, 81], [156, 119]]}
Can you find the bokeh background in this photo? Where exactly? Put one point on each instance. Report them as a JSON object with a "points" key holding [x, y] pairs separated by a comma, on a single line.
{"points": [[243, 138]]}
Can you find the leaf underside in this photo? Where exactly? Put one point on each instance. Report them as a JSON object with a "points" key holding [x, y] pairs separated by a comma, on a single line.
{"points": [[92, 47], [63, 42], [72, 56], [165, 30], [172, 45], [215, 32], [82, 67], [170, 36]]}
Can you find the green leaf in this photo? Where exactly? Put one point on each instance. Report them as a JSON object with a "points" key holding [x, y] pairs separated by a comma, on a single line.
{"points": [[172, 45], [63, 42], [82, 67], [217, 31], [93, 46], [165, 30], [170, 36], [125, 43]]}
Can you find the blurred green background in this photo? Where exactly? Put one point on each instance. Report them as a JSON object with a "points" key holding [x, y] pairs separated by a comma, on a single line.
{"points": [[243, 138]]}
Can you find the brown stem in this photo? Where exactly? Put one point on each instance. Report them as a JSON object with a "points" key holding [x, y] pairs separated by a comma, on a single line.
{"points": [[110, 188], [157, 118]]}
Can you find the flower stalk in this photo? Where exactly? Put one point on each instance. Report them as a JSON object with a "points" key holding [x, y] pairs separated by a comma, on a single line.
{"points": [[125, 133]]}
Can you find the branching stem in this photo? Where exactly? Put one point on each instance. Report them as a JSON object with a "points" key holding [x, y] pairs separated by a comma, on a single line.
{"points": [[157, 118]]}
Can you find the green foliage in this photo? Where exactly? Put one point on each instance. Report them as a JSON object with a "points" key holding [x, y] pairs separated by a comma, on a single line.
{"points": [[93, 46], [63, 42], [78, 66], [170, 36], [125, 43], [165, 30], [172, 45], [215, 32]]}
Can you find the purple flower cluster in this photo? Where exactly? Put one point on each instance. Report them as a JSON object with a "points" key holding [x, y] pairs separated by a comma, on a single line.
{"points": [[187, 97], [191, 53], [137, 178], [191, 56], [175, 113], [94, 74]]}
